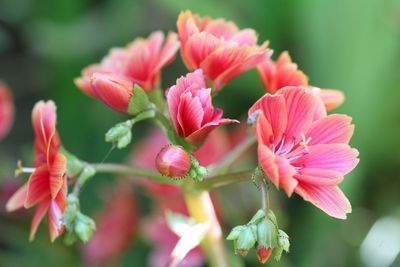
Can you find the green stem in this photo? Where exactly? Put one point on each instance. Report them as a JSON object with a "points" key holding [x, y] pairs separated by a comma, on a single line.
{"points": [[222, 180], [264, 187], [234, 155], [202, 210], [127, 170]]}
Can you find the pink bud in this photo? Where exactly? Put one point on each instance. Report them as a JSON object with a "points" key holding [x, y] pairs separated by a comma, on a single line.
{"points": [[263, 254], [173, 161]]}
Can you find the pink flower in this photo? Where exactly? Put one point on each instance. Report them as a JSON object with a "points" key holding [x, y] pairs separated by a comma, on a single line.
{"points": [[173, 161], [47, 186], [116, 226], [191, 109], [284, 72], [140, 62], [6, 110], [303, 150], [218, 47]]}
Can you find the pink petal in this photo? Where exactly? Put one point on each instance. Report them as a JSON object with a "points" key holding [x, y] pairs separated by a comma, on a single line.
{"points": [[44, 119], [331, 98], [267, 72], [278, 169], [193, 80], [300, 107], [190, 114], [230, 60], [330, 199], [168, 51], [336, 157], [57, 172], [54, 220], [186, 27], [17, 200], [331, 129], [264, 131], [6, 110], [83, 83], [274, 110], [37, 218], [199, 135], [114, 90], [289, 75], [198, 47], [221, 28], [38, 187], [317, 176]]}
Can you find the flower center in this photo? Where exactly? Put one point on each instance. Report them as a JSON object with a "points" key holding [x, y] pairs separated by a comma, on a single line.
{"points": [[290, 148]]}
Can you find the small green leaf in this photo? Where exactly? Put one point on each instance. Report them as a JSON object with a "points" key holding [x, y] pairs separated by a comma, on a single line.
{"points": [[234, 234], [277, 253], [84, 227], [260, 214], [124, 140], [119, 131], [139, 101]]}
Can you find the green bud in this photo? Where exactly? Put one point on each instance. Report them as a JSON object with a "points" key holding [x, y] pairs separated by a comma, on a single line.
{"points": [[283, 240], [277, 253], [202, 172], [272, 217], [260, 214], [124, 140], [118, 131], [84, 227], [266, 233], [235, 232], [70, 238], [245, 241], [70, 211]]}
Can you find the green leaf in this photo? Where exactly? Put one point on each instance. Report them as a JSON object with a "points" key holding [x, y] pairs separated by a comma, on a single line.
{"points": [[84, 227], [139, 101], [283, 240]]}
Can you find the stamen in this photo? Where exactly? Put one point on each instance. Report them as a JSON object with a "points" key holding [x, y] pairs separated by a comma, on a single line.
{"points": [[305, 141], [20, 169]]}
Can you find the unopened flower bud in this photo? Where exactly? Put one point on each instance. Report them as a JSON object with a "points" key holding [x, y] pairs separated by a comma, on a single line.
{"points": [[263, 254], [246, 240], [173, 161]]}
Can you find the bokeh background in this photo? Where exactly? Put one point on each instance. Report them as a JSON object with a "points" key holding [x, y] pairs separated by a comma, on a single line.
{"points": [[349, 45]]}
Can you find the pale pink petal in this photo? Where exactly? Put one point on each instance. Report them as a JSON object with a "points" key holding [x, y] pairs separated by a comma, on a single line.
{"points": [[190, 114], [286, 175], [289, 75], [267, 72], [221, 28], [317, 176], [330, 199], [337, 157], [186, 27], [331, 98], [54, 220], [44, 119], [83, 82], [38, 187], [245, 37], [114, 90], [199, 135], [57, 171], [37, 217], [17, 200], [331, 129]]}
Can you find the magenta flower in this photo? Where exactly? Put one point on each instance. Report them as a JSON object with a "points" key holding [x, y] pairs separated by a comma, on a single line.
{"points": [[140, 62], [303, 150], [218, 47], [191, 109]]}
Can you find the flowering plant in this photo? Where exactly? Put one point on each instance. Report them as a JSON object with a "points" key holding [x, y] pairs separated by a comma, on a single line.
{"points": [[300, 148]]}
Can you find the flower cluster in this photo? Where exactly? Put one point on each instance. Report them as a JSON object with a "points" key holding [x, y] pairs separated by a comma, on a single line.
{"points": [[300, 148]]}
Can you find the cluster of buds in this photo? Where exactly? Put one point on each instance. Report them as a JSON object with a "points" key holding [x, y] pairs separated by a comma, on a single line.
{"points": [[261, 231], [175, 162], [78, 225]]}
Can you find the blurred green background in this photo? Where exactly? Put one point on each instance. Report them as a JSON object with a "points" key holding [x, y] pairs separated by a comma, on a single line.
{"points": [[349, 45]]}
